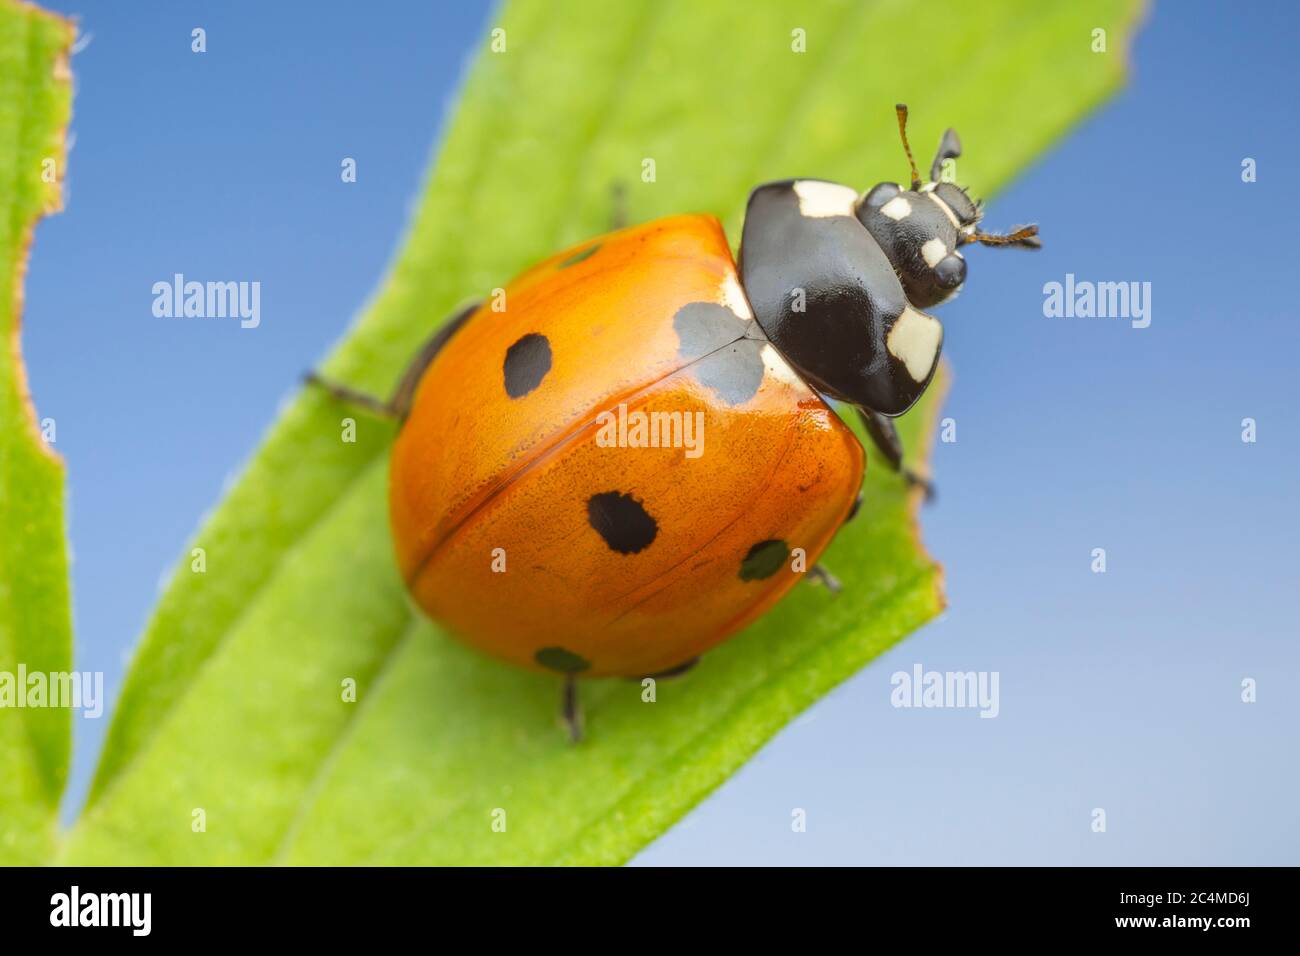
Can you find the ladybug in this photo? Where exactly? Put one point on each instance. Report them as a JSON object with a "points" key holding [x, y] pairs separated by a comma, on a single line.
{"points": [[636, 457]]}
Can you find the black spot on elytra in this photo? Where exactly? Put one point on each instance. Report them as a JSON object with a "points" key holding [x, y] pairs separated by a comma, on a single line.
{"points": [[729, 349], [558, 659], [734, 372], [703, 327], [764, 560], [622, 521], [526, 364], [579, 256]]}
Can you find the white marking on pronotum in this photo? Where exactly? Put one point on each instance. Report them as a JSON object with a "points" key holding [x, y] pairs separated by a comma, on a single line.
{"points": [[933, 252], [897, 208], [819, 200], [947, 210], [778, 367], [914, 341], [734, 298]]}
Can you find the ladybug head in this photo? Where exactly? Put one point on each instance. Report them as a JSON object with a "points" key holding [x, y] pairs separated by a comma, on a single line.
{"points": [[921, 229]]}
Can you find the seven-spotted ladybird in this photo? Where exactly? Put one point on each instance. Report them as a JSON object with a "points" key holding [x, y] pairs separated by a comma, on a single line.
{"points": [[633, 460]]}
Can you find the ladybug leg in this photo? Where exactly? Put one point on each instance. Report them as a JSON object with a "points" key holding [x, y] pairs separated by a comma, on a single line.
{"points": [[819, 575], [371, 403], [398, 405], [404, 393], [885, 437], [571, 709], [682, 668]]}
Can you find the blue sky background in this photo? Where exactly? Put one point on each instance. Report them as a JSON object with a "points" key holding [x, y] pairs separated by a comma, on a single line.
{"points": [[1119, 691]]}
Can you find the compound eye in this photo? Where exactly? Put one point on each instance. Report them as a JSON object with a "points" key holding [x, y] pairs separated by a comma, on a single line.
{"points": [[951, 271], [961, 205]]}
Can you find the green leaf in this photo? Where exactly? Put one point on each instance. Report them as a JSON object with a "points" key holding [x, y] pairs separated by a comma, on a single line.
{"points": [[35, 621], [233, 703]]}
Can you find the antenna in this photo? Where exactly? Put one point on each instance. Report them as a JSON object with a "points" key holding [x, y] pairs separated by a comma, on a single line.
{"points": [[901, 109], [1026, 236]]}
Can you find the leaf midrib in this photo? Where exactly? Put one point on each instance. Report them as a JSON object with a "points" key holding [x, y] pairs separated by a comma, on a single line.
{"points": [[320, 777]]}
